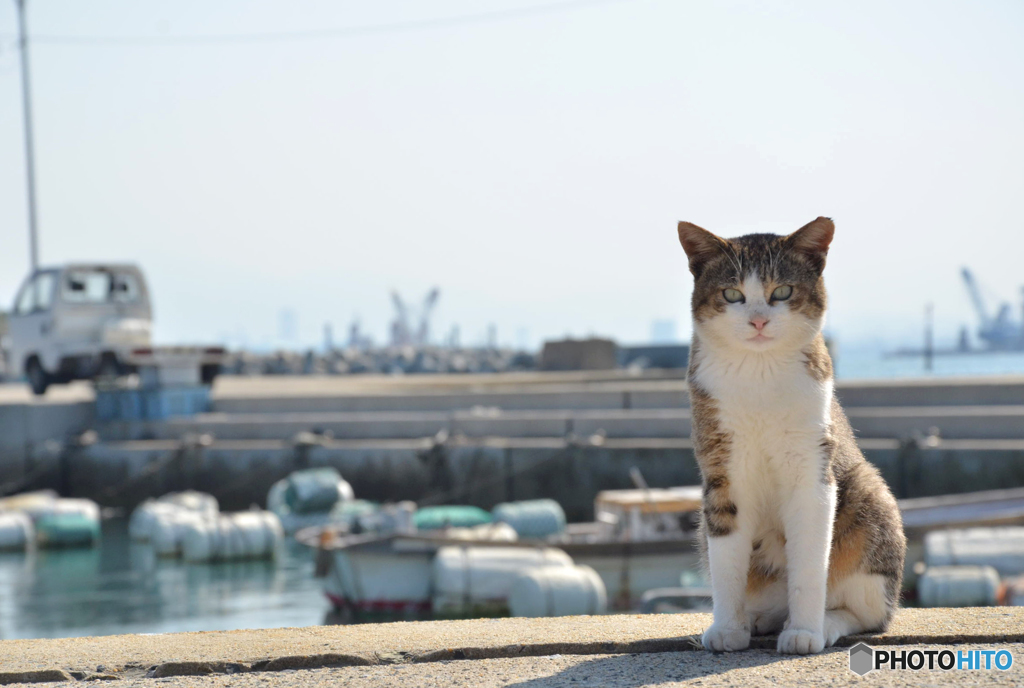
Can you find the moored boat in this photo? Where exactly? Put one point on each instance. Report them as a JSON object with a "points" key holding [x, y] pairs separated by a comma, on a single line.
{"points": [[642, 539]]}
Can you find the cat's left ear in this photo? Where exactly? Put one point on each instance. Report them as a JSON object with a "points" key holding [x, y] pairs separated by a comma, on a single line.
{"points": [[700, 246], [812, 240]]}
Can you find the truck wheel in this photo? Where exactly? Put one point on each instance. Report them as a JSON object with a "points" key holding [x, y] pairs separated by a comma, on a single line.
{"points": [[38, 379], [209, 372]]}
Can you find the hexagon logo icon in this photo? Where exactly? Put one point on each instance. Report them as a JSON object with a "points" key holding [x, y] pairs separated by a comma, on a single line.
{"points": [[862, 659]]}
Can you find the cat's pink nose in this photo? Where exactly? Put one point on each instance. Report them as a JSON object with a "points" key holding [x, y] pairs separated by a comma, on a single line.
{"points": [[759, 323]]}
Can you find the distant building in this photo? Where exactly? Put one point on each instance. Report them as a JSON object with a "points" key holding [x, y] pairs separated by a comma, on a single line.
{"points": [[579, 354], [287, 325]]}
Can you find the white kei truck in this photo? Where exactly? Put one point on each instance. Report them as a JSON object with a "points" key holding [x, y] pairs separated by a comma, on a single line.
{"points": [[91, 322]]}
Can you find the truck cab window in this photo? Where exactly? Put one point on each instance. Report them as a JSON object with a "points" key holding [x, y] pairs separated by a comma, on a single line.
{"points": [[125, 288], [87, 286]]}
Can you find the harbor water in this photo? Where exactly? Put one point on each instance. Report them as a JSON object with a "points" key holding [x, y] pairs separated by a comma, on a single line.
{"points": [[122, 587], [861, 364]]}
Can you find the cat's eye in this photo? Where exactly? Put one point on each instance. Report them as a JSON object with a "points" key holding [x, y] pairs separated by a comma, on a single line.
{"points": [[733, 295], [782, 293]]}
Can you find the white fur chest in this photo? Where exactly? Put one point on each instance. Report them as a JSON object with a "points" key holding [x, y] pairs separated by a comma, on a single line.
{"points": [[769, 404], [776, 415]]}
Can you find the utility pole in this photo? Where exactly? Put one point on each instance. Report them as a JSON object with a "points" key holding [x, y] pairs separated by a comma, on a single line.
{"points": [[30, 168]]}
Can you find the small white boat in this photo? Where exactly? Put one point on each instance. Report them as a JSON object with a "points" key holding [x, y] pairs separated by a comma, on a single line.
{"points": [[643, 539], [390, 576]]}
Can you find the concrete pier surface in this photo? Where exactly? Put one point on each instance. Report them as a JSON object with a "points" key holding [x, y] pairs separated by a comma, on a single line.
{"points": [[619, 650]]}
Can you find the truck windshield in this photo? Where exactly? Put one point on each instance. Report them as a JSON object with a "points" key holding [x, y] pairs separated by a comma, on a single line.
{"points": [[99, 286], [36, 295]]}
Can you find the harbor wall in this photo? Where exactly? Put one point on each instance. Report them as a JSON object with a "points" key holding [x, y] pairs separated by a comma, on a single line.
{"points": [[239, 474], [32, 435], [483, 440]]}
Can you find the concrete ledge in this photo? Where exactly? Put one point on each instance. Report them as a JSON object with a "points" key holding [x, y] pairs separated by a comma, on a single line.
{"points": [[197, 654], [959, 422]]}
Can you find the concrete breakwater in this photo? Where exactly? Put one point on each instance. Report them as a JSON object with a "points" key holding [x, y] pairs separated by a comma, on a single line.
{"points": [[484, 439]]}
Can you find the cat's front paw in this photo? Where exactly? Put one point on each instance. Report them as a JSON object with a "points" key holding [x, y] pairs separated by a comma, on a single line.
{"points": [[796, 641], [722, 638]]}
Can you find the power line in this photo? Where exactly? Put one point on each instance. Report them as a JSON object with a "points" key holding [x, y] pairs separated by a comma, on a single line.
{"points": [[318, 34]]}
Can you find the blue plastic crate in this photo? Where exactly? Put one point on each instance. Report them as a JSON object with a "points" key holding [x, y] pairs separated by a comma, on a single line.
{"points": [[106, 405], [165, 402], [151, 404], [119, 404]]}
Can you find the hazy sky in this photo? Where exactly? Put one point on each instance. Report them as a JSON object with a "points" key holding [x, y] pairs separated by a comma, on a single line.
{"points": [[534, 167]]}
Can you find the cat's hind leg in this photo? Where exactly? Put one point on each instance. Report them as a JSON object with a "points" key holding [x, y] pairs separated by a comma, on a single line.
{"points": [[858, 603], [767, 605], [767, 597]]}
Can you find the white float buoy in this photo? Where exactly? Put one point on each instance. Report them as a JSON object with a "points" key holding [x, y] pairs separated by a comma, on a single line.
{"points": [[16, 531], [958, 586], [468, 578], [558, 591], [232, 537]]}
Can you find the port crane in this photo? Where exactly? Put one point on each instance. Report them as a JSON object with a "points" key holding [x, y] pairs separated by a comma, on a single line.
{"points": [[402, 331], [1000, 332]]}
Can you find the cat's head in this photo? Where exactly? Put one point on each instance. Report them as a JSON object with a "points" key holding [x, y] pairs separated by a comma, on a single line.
{"points": [[760, 292]]}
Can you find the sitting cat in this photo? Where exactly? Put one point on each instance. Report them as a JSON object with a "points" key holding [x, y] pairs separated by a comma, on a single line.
{"points": [[801, 534]]}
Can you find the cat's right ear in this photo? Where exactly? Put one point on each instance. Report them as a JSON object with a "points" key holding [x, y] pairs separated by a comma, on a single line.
{"points": [[700, 245], [812, 241]]}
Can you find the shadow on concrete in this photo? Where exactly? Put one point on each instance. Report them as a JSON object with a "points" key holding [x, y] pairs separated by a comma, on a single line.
{"points": [[652, 669]]}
